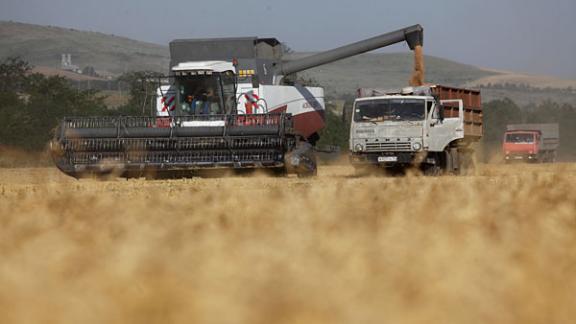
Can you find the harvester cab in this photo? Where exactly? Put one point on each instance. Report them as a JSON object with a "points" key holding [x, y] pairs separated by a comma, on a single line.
{"points": [[198, 88]]}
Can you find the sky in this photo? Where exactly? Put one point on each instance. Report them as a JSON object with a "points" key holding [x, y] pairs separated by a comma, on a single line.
{"points": [[530, 36]]}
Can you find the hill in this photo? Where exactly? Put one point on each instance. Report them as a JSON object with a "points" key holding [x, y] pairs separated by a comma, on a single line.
{"points": [[44, 45], [112, 55], [387, 70], [394, 70]]}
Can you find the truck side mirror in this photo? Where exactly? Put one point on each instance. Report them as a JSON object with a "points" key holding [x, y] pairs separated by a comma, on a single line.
{"points": [[255, 82]]}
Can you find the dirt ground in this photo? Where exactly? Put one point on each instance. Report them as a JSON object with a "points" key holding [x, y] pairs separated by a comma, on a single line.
{"points": [[495, 247]]}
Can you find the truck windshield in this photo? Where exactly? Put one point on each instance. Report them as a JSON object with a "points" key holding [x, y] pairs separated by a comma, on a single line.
{"points": [[389, 109], [523, 138]]}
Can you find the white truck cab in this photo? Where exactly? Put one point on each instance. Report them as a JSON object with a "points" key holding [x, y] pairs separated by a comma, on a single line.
{"points": [[401, 128]]}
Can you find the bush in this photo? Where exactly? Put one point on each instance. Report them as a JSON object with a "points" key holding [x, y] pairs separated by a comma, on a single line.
{"points": [[31, 105]]}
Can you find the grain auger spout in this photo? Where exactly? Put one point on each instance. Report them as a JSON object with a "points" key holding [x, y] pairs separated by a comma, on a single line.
{"points": [[413, 36]]}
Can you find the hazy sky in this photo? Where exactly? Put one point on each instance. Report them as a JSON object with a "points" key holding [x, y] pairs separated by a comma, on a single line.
{"points": [[535, 36]]}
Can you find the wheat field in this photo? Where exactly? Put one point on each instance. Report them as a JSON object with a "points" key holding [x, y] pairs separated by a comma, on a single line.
{"points": [[495, 247]]}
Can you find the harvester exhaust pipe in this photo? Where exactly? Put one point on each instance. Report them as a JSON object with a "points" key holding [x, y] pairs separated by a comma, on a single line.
{"points": [[413, 35]]}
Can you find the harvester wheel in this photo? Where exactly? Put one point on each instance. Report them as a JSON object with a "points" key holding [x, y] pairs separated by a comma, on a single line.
{"points": [[308, 174], [302, 160], [278, 172]]}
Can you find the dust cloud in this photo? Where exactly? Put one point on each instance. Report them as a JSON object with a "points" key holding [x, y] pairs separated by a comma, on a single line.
{"points": [[496, 247]]}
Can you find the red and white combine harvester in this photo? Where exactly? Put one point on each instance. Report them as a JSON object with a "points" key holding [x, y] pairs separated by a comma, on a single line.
{"points": [[225, 104]]}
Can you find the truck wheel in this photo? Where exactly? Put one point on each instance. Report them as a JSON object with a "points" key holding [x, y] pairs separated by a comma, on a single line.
{"points": [[452, 161], [438, 167], [467, 164], [432, 171]]}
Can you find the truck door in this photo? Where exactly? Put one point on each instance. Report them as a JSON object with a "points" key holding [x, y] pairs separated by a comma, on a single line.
{"points": [[443, 130]]}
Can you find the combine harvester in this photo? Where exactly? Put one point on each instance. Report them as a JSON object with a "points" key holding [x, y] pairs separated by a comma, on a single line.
{"points": [[226, 105]]}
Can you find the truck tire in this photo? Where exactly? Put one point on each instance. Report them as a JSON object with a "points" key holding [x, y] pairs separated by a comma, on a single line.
{"points": [[467, 163], [433, 170], [453, 161], [438, 167]]}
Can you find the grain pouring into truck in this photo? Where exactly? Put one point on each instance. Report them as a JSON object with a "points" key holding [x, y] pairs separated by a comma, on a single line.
{"points": [[418, 73], [225, 104]]}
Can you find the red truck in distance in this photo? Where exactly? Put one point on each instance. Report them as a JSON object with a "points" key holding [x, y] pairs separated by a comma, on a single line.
{"points": [[531, 142]]}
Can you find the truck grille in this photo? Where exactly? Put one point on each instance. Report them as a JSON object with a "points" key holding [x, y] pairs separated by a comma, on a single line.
{"points": [[388, 147]]}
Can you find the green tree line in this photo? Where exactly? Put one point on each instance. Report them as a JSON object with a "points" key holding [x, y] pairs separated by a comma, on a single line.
{"points": [[497, 114], [31, 105]]}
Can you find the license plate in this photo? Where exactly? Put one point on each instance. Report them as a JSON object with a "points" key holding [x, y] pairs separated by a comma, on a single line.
{"points": [[387, 158]]}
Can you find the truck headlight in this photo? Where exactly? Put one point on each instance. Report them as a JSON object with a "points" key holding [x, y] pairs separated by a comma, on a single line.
{"points": [[358, 148], [416, 146]]}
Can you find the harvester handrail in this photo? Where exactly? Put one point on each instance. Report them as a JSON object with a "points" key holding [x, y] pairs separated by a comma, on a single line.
{"points": [[173, 121]]}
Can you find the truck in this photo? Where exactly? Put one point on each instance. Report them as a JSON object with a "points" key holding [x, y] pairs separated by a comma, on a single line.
{"points": [[227, 103], [531, 142], [431, 127]]}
